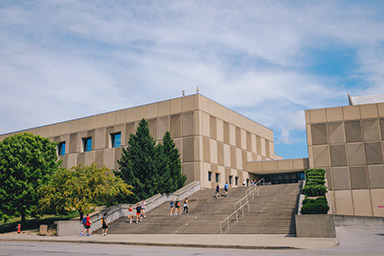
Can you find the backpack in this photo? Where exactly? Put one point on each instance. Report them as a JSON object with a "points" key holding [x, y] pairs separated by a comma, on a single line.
{"points": [[84, 220]]}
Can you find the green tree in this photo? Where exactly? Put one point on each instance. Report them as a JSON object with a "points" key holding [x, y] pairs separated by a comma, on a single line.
{"points": [[170, 166], [26, 162], [80, 188], [139, 164]]}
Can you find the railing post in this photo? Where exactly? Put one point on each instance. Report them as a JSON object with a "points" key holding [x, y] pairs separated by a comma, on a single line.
{"points": [[228, 223]]}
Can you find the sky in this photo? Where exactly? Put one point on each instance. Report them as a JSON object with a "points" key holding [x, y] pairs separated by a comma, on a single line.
{"points": [[267, 60]]}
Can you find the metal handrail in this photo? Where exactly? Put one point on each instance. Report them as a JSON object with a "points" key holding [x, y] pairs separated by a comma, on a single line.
{"points": [[248, 192], [236, 214]]}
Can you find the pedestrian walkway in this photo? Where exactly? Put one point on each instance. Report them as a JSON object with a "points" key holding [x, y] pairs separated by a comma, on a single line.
{"points": [[240, 241]]}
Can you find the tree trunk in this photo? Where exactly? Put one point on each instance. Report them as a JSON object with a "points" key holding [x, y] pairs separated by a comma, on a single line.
{"points": [[22, 218], [81, 215]]}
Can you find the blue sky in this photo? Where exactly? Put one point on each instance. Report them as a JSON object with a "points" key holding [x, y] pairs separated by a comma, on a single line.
{"points": [[268, 60]]}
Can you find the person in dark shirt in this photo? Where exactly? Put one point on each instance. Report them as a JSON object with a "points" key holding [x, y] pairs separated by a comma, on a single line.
{"points": [[217, 191], [138, 213]]}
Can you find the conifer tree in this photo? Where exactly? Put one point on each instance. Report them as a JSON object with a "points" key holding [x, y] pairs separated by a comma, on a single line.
{"points": [[170, 166], [139, 164]]}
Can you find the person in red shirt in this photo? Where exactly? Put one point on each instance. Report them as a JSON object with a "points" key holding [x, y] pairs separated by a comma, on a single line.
{"points": [[88, 225]]}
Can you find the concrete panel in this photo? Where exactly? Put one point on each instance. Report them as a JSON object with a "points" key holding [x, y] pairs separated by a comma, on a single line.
{"points": [[248, 141], [205, 124], [163, 108], [243, 139], [343, 202], [153, 110], [163, 126], [319, 134], [188, 103], [336, 133], [206, 150], [213, 127], [362, 202], [353, 131], [358, 177], [267, 149], [227, 155], [371, 130], [71, 160], [131, 115], [253, 143], [307, 116], [338, 155], [377, 196], [244, 160], [233, 158], [232, 135], [121, 116], [99, 158], [198, 152], [89, 157], [226, 132], [73, 141], [188, 124], [301, 163], [376, 176], [178, 144], [118, 154], [262, 145], [318, 116], [270, 165], [175, 106], [321, 156], [382, 128], [340, 178], [285, 164], [213, 150], [197, 122], [328, 179], [109, 156], [351, 112], [237, 137], [188, 169], [356, 154], [239, 159], [373, 152], [220, 130], [152, 124], [368, 111], [334, 114], [130, 128], [80, 158], [258, 145], [315, 225], [142, 112], [188, 149], [220, 153], [309, 134], [110, 118], [380, 108], [175, 126]]}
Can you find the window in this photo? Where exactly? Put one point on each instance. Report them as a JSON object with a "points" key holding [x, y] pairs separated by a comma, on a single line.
{"points": [[87, 144], [61, 148], [230, 179], [236, 180], [209, 176], [116, 140], [217, 177]]}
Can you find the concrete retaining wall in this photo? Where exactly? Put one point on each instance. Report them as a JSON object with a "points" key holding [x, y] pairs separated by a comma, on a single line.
{"points": [[343, 220], [74, 227], [315, 225]]}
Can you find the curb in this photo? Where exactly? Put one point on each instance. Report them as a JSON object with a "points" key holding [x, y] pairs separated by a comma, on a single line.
{"points": [[266, 247]]}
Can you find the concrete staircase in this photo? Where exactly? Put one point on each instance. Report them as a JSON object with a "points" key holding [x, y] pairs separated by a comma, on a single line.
{"points": [[272, 212]]}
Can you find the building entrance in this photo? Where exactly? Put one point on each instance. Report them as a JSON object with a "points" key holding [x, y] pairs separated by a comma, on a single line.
{"points": [[283, 178]]}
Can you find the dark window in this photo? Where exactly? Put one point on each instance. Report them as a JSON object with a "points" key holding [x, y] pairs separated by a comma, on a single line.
{"points": [[230, 179], [61, 148], [236, 180], [209, 176], [217, 177], [116, 140], [87, 143]]}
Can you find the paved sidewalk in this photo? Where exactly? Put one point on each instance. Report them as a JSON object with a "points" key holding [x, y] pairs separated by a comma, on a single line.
{"points": [[243, 241]]}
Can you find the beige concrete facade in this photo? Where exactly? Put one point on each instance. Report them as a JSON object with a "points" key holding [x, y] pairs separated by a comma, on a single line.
{"points": [[211, 138], [348, 143]]}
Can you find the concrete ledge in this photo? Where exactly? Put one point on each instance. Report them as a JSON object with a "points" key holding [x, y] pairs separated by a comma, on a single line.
{"points": [[343, 220], [315, 225]]}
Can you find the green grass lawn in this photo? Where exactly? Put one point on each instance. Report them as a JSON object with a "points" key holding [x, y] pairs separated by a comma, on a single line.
{"points": [[34, 223]]}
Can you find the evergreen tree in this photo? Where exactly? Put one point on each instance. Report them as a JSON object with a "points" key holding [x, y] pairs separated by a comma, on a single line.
{"points": [[170, 166], [139, 164]]}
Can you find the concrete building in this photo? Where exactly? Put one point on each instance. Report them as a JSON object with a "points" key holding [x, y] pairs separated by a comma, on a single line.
{"points": [[218, 145]]}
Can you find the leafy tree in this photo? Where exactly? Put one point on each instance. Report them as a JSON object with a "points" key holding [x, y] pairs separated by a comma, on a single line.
{"points": [[26, 162], [139, 164], [79, 188], [170, 166]]}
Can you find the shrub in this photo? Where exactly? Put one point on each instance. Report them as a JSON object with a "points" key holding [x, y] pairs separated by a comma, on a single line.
{"points": [[314, 190], [316, 207]]}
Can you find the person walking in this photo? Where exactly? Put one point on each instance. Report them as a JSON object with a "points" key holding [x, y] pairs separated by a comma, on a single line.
{"points": [[177, 206], [87, 226], [138, 213], [226, 187], [143, 209], [84, 221], [130, 214], [104, 224], [172, 205], [217, 191], [186, 206]]}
